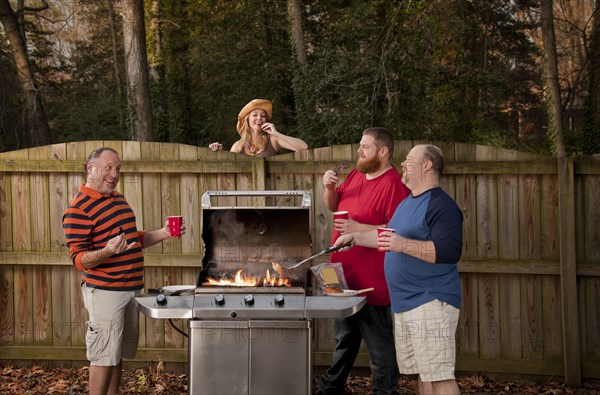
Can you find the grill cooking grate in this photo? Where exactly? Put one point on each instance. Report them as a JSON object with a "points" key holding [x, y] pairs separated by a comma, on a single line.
{"points": [[246, 290]]}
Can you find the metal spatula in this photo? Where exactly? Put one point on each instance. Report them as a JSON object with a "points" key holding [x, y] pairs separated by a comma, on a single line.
{"points": [[279, 267]]}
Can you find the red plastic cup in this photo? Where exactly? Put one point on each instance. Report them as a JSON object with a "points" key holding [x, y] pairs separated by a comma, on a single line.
{"points": [[340, 215], [175, 222], [381, 230]]}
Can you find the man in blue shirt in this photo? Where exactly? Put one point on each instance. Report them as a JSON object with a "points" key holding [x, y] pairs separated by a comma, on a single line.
{"points": [[422, 272]]}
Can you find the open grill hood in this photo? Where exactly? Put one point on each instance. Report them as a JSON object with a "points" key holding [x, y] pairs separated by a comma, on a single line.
{"points": [[250, 239]]}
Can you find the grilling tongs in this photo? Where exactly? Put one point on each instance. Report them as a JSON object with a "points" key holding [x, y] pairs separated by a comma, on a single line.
{"points": [[278, 267]]}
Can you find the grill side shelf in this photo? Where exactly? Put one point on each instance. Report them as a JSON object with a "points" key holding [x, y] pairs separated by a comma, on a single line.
{"points": [[176, 307], [329, 307]]}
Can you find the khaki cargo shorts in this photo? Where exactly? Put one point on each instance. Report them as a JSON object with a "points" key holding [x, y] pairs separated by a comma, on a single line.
{"points": [[425, 340], [112, 329]]}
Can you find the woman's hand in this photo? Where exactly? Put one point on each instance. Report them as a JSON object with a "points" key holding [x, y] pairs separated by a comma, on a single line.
{"points": [[280, 140], [215, 146], [269, 128]]}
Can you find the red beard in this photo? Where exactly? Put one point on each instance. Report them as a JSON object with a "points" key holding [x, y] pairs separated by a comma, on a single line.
{"points": [[368, 165]]}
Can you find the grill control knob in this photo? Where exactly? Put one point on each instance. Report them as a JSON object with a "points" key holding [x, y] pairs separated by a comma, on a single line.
{"points": [[279, 300], [249, 300], [219, 300], [161, 299]]}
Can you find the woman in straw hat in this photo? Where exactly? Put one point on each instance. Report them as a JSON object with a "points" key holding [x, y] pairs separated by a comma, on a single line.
{"points": [[258, 136]]}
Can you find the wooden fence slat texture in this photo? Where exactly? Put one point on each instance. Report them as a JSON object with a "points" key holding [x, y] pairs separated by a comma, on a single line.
{"points": [[510, 268], [152, 217], [59, 275], [591, 216], [77, 325]]}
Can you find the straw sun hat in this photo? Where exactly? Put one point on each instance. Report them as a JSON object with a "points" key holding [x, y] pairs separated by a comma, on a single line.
{"points": [[255, 104]]}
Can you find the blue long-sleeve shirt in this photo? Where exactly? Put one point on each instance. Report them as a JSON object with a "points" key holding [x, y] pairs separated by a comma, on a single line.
{"points": [[432, 215]]}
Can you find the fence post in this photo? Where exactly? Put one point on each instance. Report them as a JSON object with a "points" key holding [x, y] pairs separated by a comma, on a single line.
{"points": [[259, 180], [568, 271], [259, 175]]}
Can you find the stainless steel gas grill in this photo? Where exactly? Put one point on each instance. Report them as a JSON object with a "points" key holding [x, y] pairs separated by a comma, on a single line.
{"points": [[250, 326]]}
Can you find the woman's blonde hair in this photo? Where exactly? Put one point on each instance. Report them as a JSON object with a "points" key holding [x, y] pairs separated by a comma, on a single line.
{"points": [[246, 136]]}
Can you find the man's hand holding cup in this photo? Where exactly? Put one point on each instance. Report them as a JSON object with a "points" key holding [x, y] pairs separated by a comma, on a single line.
{"points": [[383, 238]]}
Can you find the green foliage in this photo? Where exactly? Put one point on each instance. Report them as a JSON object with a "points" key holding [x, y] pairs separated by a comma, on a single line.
{"points": [[15, 121], [443, 70], [239, 52], [87, 107], [455, 70], [84, 100], [169, 71], [142, 382], [589, 141]]}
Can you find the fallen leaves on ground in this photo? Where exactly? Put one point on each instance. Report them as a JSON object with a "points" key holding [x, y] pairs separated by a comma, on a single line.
{"points": [[153, 379]]}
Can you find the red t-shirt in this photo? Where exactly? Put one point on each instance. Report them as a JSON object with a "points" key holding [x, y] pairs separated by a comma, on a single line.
{"points": [[368, 202]]}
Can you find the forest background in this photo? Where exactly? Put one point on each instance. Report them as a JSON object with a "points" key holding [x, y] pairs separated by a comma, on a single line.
{"points": [[180, 70]]}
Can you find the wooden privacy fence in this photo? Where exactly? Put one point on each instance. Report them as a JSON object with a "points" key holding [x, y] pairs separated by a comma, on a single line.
{"points": [[525, 309]]}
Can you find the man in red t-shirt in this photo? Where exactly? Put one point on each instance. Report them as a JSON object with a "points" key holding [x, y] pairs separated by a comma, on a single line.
{"points": [[370, 194]]}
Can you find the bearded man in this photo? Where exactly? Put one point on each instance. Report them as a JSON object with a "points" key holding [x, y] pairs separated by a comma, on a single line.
{"points": [[370, 194]]}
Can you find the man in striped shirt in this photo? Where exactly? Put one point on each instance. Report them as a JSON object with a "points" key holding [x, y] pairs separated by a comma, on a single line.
{"points": [[106, 246]]}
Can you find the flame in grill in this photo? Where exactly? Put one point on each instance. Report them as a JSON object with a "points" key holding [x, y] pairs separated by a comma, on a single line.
{"points": [[275, 280], [242, 279]]}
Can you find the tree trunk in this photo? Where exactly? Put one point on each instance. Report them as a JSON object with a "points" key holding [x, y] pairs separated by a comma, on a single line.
{"points": [[566, 208], [551, 66], [36, 121], [136, 68], [155, 30], [115, 48], [157, 73], [114, 34], [20, 6], [295, 16]]}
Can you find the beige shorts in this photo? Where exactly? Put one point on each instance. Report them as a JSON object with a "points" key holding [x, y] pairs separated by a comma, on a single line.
{"points": [[425, 340], [112, 329]]}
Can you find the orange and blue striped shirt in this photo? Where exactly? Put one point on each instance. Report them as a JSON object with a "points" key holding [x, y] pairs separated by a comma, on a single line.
{"points": [[90, 221]]}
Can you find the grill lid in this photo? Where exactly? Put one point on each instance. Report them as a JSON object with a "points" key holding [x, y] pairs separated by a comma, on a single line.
{"points": [[250, 238]]}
